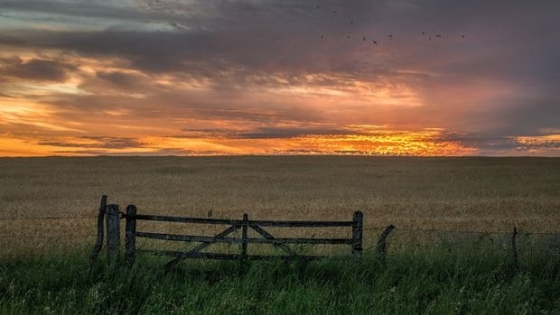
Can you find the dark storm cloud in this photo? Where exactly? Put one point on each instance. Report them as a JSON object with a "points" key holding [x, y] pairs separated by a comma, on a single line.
{"points": [[526, 115], [81, 9], [35, 69], [285, 39], [164, 105], [98, 143], [535, 143], [115, 143], [486, 144], [490, 145], [125, 81], [10, 41], [285, 36]]}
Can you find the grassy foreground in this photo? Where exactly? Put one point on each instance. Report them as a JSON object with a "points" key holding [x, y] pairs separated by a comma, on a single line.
{"points": [[409, 283]]}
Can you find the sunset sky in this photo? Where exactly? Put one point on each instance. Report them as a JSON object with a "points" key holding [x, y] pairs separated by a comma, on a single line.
{"points": [[207, 77]]}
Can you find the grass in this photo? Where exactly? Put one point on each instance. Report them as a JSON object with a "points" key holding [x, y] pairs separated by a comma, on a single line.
{"points": [[409, 283]]}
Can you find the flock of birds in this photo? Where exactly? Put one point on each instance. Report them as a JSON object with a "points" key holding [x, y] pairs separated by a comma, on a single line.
{"points": [[389, 37]]}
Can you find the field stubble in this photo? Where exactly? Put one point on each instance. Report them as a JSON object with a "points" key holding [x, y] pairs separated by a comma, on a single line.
{"points": [[52, 202]]}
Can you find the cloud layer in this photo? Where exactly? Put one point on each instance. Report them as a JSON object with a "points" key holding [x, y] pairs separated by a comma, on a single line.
{"points": [[281, 76]]}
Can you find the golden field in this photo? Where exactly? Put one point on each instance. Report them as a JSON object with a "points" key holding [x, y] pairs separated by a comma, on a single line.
{"points": [[53, 201]]}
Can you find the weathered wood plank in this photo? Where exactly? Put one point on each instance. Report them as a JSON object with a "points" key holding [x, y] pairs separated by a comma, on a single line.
{"points": [[357, 232], [382, 243], [199, 247], [240, 240], [267, 223], [219, 256], [165, 218], [113, 234], [188, 238], [130, 242], [514, 248], [244, 237], [99, 241]]}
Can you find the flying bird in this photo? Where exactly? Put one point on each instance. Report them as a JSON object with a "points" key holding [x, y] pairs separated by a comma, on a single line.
{"points": [[349, 34]]}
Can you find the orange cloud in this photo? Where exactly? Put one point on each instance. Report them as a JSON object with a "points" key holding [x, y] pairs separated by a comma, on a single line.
{"points": [[378, 142], [149, 79]]}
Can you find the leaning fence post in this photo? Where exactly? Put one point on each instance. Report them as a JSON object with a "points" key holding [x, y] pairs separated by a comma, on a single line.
{"points": [[514, 247], [113, 234], [244, 237], [99, 242], [382, 243], [357, 233], [130, 243]]}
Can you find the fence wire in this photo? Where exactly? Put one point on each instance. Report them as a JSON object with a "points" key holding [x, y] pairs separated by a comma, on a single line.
{"points": [[527, 242], [48, 218]]}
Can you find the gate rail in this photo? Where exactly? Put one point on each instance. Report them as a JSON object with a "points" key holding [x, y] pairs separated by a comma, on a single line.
{"points": [[132, 217]]}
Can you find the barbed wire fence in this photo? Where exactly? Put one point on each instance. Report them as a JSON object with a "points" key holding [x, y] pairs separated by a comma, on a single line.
{"points": [[517, 244]]}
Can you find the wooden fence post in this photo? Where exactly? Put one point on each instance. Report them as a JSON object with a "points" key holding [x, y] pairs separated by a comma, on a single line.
{"points": [[244, 237], [130, 242], [382, 243], [99, 241], [357, 233], [514, 248], [113, 234]]}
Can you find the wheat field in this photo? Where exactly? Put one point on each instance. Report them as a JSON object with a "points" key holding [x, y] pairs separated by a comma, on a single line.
{"points": [[53, 201]]}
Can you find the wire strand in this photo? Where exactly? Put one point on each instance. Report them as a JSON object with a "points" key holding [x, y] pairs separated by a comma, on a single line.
{"points": [[48, 218]]}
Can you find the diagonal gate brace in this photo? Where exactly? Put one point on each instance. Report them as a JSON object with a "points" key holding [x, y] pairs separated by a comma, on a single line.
{"points": [[199, 247], [268, 236]]}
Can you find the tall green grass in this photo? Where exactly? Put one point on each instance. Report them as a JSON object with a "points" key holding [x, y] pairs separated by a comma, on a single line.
{"points": [[428, 282]]}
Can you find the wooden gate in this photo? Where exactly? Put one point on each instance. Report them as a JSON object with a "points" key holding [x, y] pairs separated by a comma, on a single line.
{"points": [[245, 224], [235, 225]]}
